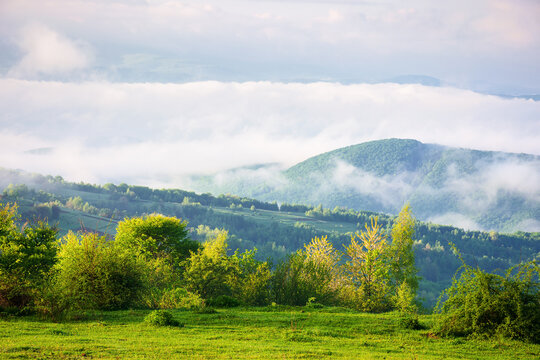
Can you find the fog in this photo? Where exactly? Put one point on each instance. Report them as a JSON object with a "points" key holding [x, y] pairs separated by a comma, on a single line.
{"points": [[154, 134]]}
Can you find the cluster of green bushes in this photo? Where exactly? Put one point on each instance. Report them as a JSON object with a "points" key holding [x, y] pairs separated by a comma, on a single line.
{"points": [[372, 274], [481, 303], [153, 263]]}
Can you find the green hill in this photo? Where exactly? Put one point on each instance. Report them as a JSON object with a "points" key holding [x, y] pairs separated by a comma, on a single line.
{"points": [[467, 188]]}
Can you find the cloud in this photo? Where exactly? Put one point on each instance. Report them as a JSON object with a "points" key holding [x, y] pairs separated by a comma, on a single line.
{"points": [[482, 45], [391, 191], [479, 190], [456, 219], [47, 52], [125, 131]]}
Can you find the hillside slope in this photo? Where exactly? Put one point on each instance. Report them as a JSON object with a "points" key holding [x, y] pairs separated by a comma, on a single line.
{"points": [[461, 187]]}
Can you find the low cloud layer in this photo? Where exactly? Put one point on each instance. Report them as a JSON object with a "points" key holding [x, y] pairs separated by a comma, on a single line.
{"points": [[101, 131]]}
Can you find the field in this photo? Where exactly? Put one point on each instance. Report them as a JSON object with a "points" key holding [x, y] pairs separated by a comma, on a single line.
{"points": [[244, 333]]}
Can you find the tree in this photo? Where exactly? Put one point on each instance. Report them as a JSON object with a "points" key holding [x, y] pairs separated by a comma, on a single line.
{"points": [[290, 285], [312, 272], [26, 256], [367, 268], [403, 278], [156, 236], [92, 274], [208, 271], [251, 283], [326, 273]]}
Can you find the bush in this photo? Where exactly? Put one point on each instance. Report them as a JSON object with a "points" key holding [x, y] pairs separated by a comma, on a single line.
{"points": [[480, 303], [92, 274], [296, 280], [156, 236], [161, 318], [205, 310], [209, 270], [312, 304], [251, 284], [160, 278], [410, 322], [223, 301], [26, 257], [180, 298]]}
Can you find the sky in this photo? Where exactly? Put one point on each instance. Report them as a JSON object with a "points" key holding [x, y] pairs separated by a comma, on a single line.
{"points": [[146, 92]]}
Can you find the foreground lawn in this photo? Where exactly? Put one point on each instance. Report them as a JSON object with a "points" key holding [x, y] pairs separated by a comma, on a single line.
{"points": [[243, 333]]}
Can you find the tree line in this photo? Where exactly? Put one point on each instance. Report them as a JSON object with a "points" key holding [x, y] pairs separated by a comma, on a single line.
{"points": [[153, 263]]}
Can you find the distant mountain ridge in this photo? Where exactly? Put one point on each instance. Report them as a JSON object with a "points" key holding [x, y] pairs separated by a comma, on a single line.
{"points": [[462, 187]]}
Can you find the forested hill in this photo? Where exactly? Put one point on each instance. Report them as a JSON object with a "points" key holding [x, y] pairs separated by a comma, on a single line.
{"points": [[274, 230], [462, 187]]}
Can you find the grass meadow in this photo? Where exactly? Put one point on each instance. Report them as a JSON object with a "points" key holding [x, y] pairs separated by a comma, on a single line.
{"points": [[272, 332]]}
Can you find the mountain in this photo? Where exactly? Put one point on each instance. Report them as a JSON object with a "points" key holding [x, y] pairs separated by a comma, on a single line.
{"points": [[415, 79], [462, 187]]}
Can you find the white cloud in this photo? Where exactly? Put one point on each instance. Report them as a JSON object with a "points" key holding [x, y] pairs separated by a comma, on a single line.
{"points": [[119, 130], [482, 44], [390, 190], [456, 219], [48, 52]]}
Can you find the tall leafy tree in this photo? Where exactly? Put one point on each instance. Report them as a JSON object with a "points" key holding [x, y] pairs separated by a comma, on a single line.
{"points": [[26, 256], [367, 267], [209, 270], [403, 272], [325, 271], [156, 236]]}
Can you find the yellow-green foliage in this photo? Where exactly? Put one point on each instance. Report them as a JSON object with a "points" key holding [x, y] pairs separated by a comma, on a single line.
{"points": [[367, 268], [480, 303], [161, 318], [210, 272], [400, 251], [93, 274], [180, 298], [251, 283], [26, 256], [155, 236], [159, 278]]}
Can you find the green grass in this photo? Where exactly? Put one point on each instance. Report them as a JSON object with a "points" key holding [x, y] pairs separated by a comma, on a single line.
{"points": [[289, 218], [244, 333], [75, 220]]}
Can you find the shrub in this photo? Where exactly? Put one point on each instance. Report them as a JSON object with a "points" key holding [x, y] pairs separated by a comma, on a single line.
{"points": [[160, 278], [251, 283], [209, 270], [180, 298], [161, 318], [92, 274], [410, 322], [156, 236], [312, 304], [480, 303], [26, 257], [205, 310], [404, 299], [296, 280], [223, 301]]}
